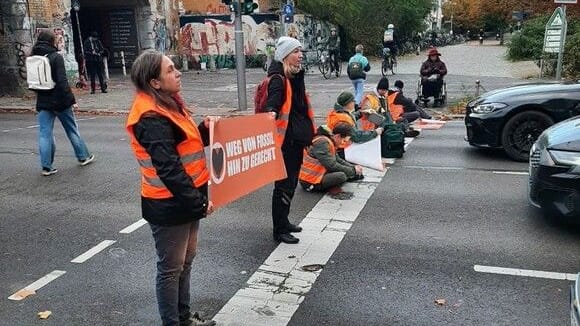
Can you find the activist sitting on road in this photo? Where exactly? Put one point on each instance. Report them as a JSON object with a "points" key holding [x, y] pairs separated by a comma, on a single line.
{"points": [[379, 101], [295, 124], [170, 151], [344, 112], [411, 109], [322, 168]]}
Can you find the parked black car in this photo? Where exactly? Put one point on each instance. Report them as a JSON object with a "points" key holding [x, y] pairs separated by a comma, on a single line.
{"points": [[555, 170], [512, 118]]}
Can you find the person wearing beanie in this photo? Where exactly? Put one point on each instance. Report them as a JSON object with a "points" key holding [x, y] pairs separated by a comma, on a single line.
{"points": [[94, 52], [344, 113], [322, 168], [288, 101], [358, 66], [412, 110]]}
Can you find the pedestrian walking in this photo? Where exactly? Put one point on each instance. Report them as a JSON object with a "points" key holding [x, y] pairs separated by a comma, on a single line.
{"points": [[358, 66], [94, 52], [169, 148], [295, 125], [57, 102]]}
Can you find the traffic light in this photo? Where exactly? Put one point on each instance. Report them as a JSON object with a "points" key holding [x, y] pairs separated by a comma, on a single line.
{"points": [[248, 7]]}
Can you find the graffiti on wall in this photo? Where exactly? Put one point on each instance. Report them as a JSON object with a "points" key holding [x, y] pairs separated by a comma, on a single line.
{"points": [[216, 38]]}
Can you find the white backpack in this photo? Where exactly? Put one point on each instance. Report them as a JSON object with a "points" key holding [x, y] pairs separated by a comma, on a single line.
{"points": [[38, 73], [388, 35]]}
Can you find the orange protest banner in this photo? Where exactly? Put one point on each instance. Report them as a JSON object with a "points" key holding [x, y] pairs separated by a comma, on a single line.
{"points": [[243, 157]]}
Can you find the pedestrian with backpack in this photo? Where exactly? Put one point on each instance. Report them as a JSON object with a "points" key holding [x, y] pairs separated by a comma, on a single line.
{"points": [[56, 102], [358, 66], [287, 99]]}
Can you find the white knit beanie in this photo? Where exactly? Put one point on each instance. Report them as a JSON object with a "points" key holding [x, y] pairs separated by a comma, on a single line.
{"points": [[285, 46]]}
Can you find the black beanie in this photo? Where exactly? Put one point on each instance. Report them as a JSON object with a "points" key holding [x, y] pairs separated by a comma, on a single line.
{"points": [[399, 84], [383, 83]]}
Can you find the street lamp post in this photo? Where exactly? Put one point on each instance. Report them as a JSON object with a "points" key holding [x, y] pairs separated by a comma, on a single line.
{"points": [[76, 6]]}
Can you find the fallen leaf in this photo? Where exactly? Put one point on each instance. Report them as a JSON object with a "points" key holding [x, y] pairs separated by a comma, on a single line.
{"points": [[22, 294], [44, 314], [440, 302]]}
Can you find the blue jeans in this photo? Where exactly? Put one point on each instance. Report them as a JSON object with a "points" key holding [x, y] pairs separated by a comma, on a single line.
{"points": [[358, 85], [176, 247], [46, 137]]}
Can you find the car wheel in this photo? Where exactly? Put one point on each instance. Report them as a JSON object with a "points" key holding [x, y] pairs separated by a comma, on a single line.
{"points": [[521, 131]]}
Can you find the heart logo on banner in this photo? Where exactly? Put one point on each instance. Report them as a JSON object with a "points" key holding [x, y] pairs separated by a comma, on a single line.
{"points": [[218, 162]]}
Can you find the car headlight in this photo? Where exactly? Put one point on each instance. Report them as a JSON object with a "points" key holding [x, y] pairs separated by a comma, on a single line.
{"points": [[565, 158], [488, 107]]}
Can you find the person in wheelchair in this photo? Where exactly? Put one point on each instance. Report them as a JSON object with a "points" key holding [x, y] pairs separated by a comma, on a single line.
{"points": [[432, 72]]}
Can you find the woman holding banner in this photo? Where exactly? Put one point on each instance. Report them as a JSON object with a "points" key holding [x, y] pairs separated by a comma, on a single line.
{"points": [[295, 128], [170, 150]]}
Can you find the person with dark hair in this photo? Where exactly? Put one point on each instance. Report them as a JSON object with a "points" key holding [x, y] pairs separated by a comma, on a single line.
{"points": [[169, 148], [94, 52], [288, 101], [322, 167], [333, 48], [411, 110], [58, 102]]}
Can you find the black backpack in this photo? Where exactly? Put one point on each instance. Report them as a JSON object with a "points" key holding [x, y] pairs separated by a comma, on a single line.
{"points": [[355, 70], [392, 138]]}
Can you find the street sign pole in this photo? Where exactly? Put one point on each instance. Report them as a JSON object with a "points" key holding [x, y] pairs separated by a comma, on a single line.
{"points": [[561, 52], [240, 57]]}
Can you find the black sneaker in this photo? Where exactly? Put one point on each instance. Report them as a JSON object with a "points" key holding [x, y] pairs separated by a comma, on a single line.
{"points": [[46, 171], [88, 160], [197, 320]]}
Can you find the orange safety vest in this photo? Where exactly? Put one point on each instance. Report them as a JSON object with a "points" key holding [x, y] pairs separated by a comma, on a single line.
{"points": [[284, 115], [312, 171], [190, 150], [372, 101], [396, 110], [334, 118]]}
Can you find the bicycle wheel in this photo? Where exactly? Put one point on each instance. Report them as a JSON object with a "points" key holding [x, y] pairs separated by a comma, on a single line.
{"points": [[385, 68], [393, 67], [325, 70]]}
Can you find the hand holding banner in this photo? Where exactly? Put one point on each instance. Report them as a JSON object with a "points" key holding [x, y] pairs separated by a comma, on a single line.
{"points": [[243, 157]]}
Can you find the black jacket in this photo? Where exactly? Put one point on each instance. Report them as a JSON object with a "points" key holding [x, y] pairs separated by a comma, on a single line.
{"points": [[160, 137], [94, 50], [400, 99], [300, 129], [60, 97]]}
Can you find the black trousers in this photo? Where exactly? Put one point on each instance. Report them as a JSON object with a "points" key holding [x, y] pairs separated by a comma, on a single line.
{"points": [[335, 55], [432, 87], [94, 69], [284, 189]]}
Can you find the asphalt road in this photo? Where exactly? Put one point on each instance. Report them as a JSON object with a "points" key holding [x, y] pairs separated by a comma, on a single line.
{"points": [[439, 211]]}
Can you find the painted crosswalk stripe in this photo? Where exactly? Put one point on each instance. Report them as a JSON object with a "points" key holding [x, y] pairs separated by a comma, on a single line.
{"points": [[93, 251], [275, 291], [524, 272], [38, 284], [133, 226]]}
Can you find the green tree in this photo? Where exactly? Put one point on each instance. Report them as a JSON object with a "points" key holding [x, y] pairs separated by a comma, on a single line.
{"points": [[364, 21]]}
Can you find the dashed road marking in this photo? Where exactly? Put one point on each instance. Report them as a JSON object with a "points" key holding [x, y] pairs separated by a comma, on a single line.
{"points": [[275, 291], [133, 226], [524, 272], [37, 285], [93, 251]]}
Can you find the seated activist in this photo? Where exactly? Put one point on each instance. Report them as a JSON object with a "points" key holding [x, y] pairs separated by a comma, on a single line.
{"points": [[378, 101], [344, 112], [411, 110], [322, 168]]}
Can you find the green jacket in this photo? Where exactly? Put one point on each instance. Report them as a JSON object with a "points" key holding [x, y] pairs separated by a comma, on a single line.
{"points": [[358, 136], [320, 150], [333, 43]]}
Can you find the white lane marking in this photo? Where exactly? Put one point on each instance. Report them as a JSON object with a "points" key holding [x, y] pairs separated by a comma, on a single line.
{"points": [[274, 292], [426, 167], [36, 126], [510, 172], [93, 251], [524, 272], [133, 226], [37, 285]]}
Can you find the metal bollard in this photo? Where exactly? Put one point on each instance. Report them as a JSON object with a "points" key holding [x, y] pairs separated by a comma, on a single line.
{"points": [[477, 87], [123, 63]]}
